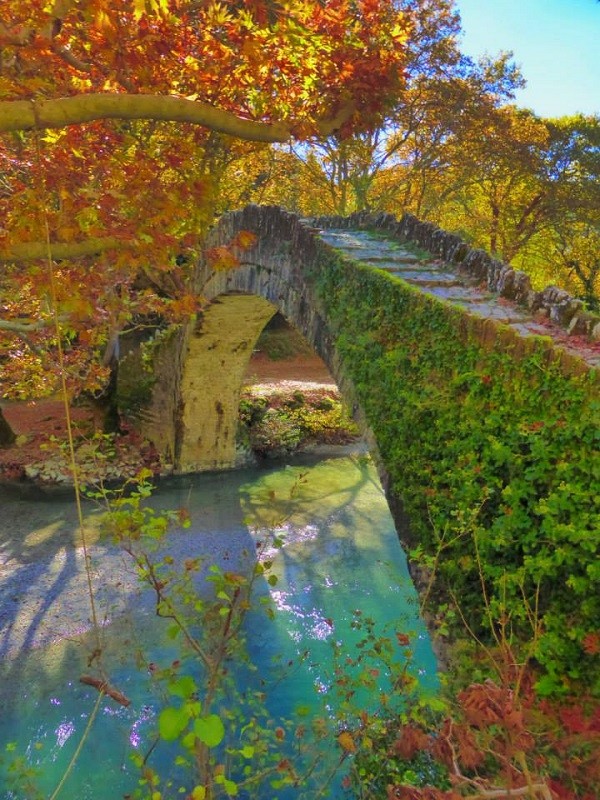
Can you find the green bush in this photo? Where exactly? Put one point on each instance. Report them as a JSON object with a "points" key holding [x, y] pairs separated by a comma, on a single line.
{"points": [[281, 423]]}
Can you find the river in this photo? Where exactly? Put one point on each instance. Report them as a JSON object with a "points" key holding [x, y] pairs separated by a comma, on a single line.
{"points": [[340, 554]]}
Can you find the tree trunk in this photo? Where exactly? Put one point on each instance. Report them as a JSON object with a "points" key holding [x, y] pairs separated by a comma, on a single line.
{"points": [[7, 435]]}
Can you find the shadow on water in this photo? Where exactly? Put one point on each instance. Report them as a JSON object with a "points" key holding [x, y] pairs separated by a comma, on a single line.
{"points": [[340, 552]]}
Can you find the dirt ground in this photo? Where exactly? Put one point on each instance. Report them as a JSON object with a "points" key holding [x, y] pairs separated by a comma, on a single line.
{"points": [[35, 422]]}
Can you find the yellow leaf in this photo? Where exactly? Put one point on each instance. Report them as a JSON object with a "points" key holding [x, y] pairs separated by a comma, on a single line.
{"points": [[103, 20], [346, 742], [67, 233], [198, 793], [245, 239], [139, 9]]}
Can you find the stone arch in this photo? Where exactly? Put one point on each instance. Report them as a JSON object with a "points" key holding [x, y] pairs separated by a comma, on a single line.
{"points": [[218, 352], [192, 417]]}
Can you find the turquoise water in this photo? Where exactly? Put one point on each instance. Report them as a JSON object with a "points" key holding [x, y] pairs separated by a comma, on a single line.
{"points": [[340, 554]]}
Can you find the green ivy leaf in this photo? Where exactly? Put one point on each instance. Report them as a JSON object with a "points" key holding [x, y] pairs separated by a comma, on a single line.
{"points": [[229, 786]]}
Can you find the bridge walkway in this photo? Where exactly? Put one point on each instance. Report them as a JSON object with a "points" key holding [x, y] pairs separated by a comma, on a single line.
{"points": [[432, 275]]}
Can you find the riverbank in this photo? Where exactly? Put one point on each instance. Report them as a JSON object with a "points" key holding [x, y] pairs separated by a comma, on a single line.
{"points": [[289, 404]]}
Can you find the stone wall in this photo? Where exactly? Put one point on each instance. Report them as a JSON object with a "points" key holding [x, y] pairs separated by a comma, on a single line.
{"points": [[557, 304]]}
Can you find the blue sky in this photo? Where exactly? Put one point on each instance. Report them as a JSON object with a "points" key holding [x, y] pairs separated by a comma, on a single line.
{"points": [[556, 43]]}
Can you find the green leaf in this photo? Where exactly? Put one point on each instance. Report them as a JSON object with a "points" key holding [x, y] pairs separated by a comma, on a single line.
{"points": [[229, 786], [210, 730], [184, 686], [173, 631], [172, 722], [547, 686], [189, 741]]}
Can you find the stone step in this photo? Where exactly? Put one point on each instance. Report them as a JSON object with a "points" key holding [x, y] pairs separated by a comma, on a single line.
{"points": [[461, 294], [492, 310]]}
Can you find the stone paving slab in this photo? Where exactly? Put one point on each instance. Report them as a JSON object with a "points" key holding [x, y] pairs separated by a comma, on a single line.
{"points": [[429, 277], [391, 256], [374, 256], [502, 313], [463, 295], [364, 245]]}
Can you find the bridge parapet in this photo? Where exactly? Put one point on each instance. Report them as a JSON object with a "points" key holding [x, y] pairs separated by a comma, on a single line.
{"points": [[557, 304]]}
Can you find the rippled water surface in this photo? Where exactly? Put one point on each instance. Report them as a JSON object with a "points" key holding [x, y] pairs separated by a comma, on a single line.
{"points": [[340, 553]]}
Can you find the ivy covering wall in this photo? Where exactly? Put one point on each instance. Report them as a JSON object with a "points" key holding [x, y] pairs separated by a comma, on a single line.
{"points": [[492, 442]]}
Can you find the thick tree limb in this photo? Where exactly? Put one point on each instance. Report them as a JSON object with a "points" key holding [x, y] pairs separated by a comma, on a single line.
{"points": [[20, 115], [29, 251], [23, 328]]}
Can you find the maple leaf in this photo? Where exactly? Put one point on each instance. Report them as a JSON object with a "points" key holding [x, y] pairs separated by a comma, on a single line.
{"points": [[469, 754], [221, 258], [591, 643], [574, 719], [183, 307]]}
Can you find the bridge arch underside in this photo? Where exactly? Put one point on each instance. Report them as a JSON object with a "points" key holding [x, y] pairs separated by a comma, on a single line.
{"points": [[217, 355]]}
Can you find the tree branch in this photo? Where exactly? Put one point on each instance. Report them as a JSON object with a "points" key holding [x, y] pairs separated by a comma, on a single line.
{"points": [[29, 251], [24, 330], [20, 115], [21, 328]]}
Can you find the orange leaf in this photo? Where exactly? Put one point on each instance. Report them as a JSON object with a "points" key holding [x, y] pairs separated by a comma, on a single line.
{"points": [[221, 258], [245, 240]]}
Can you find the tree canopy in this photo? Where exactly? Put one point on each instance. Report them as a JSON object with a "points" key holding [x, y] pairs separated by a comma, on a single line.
{"points": [[117, 118]]}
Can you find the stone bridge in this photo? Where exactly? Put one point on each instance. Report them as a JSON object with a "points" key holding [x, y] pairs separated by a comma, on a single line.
{"points": [[198, 369]]}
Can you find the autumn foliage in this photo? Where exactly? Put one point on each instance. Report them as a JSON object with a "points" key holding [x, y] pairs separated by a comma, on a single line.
{"points": [[500, 742], [118, 118]]}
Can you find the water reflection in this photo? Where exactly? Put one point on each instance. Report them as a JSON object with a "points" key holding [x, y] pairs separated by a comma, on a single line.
{"points": [[339, 553]]}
